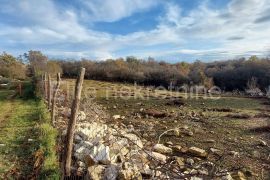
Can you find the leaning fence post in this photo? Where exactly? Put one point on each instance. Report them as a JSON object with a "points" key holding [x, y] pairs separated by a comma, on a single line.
{"points": [[72, 122], [45, 86], [49, 92], [54, 98]]}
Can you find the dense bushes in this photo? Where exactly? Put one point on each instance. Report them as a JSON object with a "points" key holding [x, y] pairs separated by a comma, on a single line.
{"points": [[228, 75]]}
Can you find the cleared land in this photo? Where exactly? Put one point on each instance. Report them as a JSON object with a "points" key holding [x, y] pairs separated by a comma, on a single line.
{"points": [[237, 127]]}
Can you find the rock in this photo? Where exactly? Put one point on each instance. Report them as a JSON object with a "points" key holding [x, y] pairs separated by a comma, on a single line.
{"points": [[81, 152], [89, 160], [215, 151], [103, 154], [180, 162], [196, 178], [155, 113], [210, 141], [129, 171], [190, 161], [77, 138], [238, 176], [234, 153], [81, 116], [86, 144], [135, 140], [227, 177], [174, 132], [203, 172], [177, 148], [111, 172], [116, 117], [95, 172], [262, 143], [169, 143], [162, 149], [81, 164], [184, 127], [157, 156], [92, 131], [197, 152]]}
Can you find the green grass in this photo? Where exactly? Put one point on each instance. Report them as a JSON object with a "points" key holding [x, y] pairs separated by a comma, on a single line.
{"points": [[24, 131]]}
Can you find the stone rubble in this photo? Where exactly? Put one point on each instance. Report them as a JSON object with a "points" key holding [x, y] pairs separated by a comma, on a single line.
{"points": [[117, 152]]}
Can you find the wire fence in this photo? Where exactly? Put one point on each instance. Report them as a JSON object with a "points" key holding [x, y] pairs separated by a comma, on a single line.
{"points": [[102, 149]]}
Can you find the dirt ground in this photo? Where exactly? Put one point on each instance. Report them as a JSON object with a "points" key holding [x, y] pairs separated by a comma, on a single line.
{"points": [[238, 127]]}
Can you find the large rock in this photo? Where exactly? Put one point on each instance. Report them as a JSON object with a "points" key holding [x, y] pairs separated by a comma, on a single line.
{"points": [[95, 172], [162, 149], [197, 152], [102, 154], [157, 156], [129, 171]]}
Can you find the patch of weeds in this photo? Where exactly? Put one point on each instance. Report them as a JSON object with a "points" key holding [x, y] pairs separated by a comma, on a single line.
{"points": [[47, 139]]}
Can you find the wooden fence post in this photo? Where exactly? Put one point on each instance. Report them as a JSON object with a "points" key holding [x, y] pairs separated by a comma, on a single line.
{"points": [[49, 92], [20, 89], [54, 98], [45, 86], [72, 122]]}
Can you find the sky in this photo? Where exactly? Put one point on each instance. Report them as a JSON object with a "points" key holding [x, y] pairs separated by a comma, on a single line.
{"points": [[170, 30]]}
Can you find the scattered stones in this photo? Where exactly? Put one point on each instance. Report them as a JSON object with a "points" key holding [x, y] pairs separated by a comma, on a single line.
{"points": [[81, 116], [129, 171], [95, 172], [197, 152]]}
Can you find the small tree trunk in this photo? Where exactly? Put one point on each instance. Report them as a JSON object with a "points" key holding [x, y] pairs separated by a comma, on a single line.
{"points": [[72, 122], [54, 98], [49, 92]]}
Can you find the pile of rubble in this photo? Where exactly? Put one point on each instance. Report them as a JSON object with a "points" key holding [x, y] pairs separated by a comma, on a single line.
{"points": [[116, 152]]}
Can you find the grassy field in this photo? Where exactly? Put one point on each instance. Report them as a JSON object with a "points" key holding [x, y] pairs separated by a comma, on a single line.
{"points": [[21, 138], [229, 124]]}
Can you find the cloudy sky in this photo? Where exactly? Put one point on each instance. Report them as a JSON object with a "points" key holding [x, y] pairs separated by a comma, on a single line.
{"points": [[171, 30]]}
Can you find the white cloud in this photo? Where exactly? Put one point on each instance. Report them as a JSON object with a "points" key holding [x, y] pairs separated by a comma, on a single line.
{"points": [[113, 10], [238, 29]]}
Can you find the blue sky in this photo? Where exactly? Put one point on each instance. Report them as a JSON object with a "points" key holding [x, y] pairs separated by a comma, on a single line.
{"points": [[171, 30]]}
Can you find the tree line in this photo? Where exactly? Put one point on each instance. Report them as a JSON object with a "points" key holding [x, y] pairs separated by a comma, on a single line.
{"points": [[229, 75]]}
